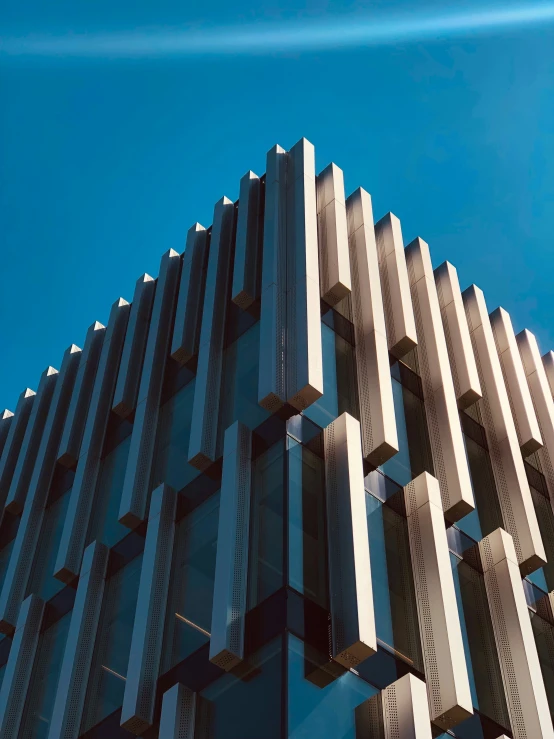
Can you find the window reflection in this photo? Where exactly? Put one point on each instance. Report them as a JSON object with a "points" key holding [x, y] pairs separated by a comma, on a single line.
{"points": [[38, 709], [487, 516], [544, 639], [105, 526], [189, 609], [111, 656], [42, 581], [544, 576], [5, 554]]}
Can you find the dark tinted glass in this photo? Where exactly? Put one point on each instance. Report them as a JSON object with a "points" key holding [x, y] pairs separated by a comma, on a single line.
{"points": [[544, 639], [544, 576], [42, 581], [105, 526], [5, 554], [487, 516]]}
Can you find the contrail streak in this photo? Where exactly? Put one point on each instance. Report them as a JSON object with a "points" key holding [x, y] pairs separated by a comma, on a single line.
{"points": [[268, 38]]}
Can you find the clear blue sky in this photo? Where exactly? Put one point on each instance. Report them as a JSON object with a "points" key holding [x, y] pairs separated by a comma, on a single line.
{"points": [[106, 161]]}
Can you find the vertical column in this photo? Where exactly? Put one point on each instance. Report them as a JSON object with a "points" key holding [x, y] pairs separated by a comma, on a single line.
{"points": [[14, 440], [350, 589], [178, 713], [186, 329], [514, 495], [399, 711], [399, 315], [136, 486], [303, 357], [334, 269], [17, 492], [205, 409], [456, 332], [72, 544], [246, 272], [231, 566], [72, 437], [439, 625], [137, 713], [20, 666], [378, 423], [81, 638], [25, 544], [515, 644], [548, 363], [5, 422], [128, 377], [445, 432], [271, 379], [542, 402], [523, 413]]}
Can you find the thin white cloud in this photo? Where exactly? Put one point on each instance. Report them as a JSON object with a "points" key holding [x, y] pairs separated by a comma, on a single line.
{"points": [[335, 32]]}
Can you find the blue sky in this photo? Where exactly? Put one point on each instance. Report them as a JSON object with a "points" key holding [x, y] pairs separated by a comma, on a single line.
{"points": [[106, 160]]}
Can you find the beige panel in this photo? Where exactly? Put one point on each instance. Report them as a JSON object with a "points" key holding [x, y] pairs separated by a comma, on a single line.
{"points": [[439, 625], [523, 413], [505, 455], [334, 267], [399, 315], [542, 401], [458, 341], [351, 595], [399, 711], [515, 643], [548, 363], [378, 422], [443, 421]]}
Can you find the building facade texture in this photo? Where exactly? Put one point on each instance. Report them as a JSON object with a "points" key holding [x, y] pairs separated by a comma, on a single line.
{"points": [[301, 486]]}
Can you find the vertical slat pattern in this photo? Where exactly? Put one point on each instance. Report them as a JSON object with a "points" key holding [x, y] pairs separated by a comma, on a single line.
{"points": [[5, 422], [14, 440], [137, 713], [128, 378], [350, 590], [378, 422], [334, 267], [178, 713], [231, 568], [25, 544], [456, 333], [72, 436], [186, 329], [246, 271], [521, 405], [399, 315], [399, 711], [70, 696], [439, 625], [205, 412], [445, 433], [515, 643], [136, 486], [548, 364], [72, 544], [514, 495]]}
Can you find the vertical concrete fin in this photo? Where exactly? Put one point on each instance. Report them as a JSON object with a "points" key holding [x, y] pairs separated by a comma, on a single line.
{"points": [[130, 368], [205, 412], [352, 613], [548, 364], [186, 329], [6, 418], [14, 440], [439, 624], [334, 261], [399, 711], [399, 314], [178, 716], [515, 500], [456, 333], [443, 421], [137, 713], [231, 567], [136, 485], [378, 422], [247, 268]]}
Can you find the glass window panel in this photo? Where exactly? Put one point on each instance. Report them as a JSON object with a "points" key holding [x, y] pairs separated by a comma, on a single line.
{"points": [[5, 554], [239, 391], [105, 526], [189, 615], [544, 576], [544, 639], [42, 581], [393, 588], [109, 669], [339, 380], [249, 707], [323, 712], [172, 443], [307, 539], [485, 677], [266, 563], [46, 672]]}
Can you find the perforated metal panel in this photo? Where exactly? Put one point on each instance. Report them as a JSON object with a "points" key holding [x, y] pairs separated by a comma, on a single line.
{"points": [[247, 263], [178, 713], [14, 440]]}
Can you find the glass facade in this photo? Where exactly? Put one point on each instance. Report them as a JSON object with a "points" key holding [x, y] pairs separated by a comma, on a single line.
{"points": [[105, 526], [42, 581]]}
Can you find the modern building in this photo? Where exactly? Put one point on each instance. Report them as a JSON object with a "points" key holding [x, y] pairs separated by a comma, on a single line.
{"points": [[301, 486]]}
